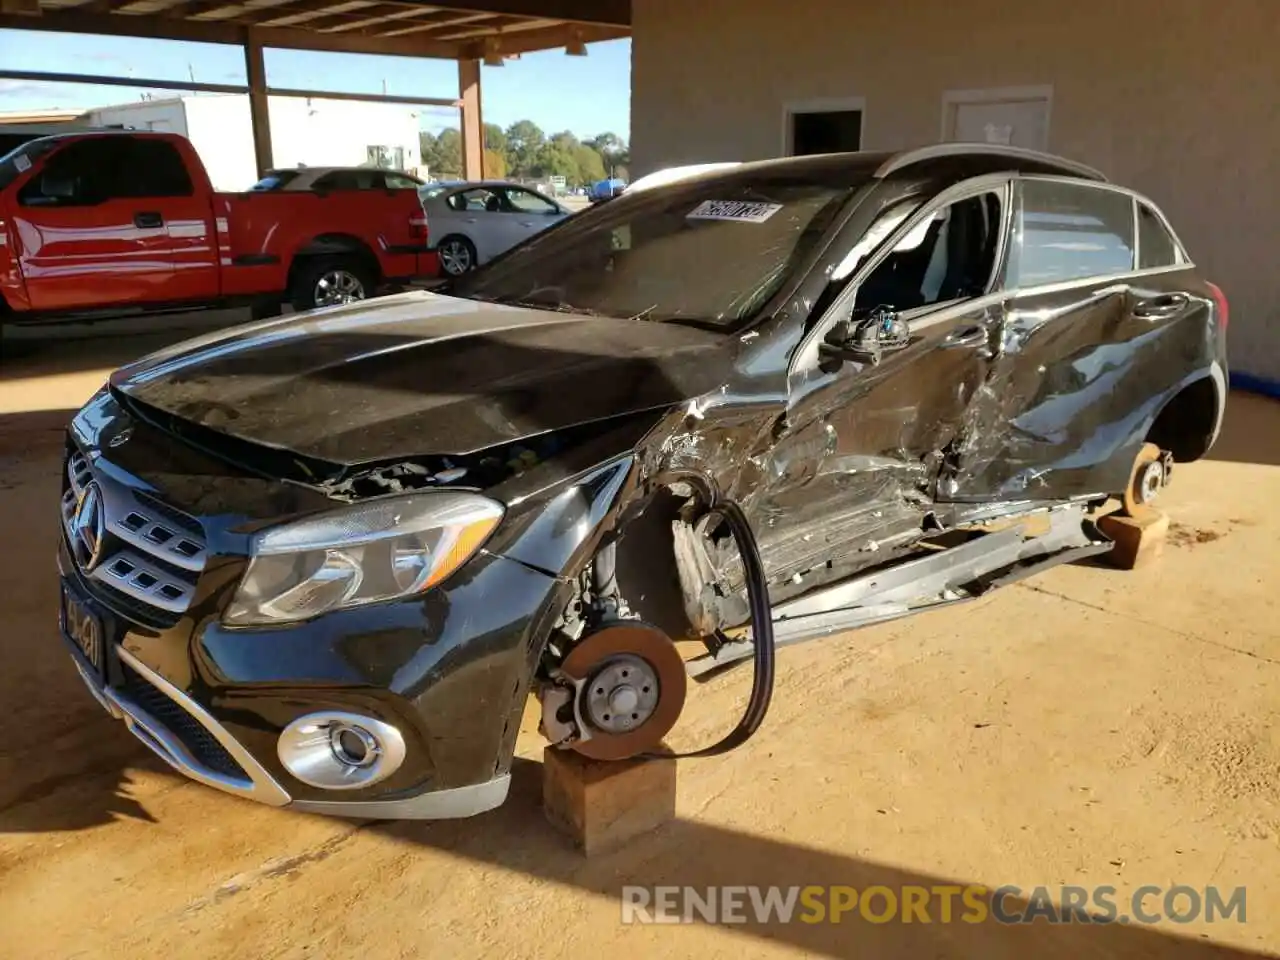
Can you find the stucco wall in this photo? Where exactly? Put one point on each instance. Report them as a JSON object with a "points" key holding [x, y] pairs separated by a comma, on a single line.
{"points": [[1178, 98]]}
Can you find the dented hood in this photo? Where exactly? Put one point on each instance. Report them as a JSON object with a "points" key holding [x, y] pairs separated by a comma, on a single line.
{"points": [[421, 374]]}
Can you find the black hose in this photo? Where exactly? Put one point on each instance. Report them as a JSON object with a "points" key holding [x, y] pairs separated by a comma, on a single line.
{"points": [[761, 633]]}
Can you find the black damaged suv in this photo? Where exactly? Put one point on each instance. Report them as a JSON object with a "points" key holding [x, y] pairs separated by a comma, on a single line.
{"points": [[322, 561]]}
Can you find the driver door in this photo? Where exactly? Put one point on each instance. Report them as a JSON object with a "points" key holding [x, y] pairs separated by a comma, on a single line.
{"points": [[84, 239], [855, 467]]}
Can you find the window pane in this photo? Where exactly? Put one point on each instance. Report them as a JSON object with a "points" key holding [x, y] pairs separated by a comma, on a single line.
{"points": [[77, 175], [1069, 231], [526, 202], [1155, 247], [949, 256], [154, 168]]}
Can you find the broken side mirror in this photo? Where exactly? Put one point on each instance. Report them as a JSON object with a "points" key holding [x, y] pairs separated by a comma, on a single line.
{"points": [[865, 337]]}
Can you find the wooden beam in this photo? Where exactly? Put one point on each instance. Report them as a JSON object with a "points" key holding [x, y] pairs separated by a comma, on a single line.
{"points": [[616, 13], [216, 31], [45, 76], [255, 69], [472, 121], [365, 97], [407, 16], [527, 41]]}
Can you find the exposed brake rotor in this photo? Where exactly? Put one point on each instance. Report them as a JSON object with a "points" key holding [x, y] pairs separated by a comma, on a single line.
{"points": [[1149, 476], [630, 685]]}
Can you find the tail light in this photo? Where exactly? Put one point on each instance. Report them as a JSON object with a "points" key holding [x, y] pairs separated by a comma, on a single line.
{"points": [[1220, 301], [418, 226]]}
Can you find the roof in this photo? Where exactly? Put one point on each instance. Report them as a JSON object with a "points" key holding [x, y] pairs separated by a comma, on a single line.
{"points": [[452, 29], [960, 159]]}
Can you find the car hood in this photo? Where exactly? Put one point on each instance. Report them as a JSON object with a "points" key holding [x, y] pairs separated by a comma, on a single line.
{"points": [[422, 374]]}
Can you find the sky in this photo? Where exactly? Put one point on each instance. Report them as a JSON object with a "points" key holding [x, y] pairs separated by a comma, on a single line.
{"points": [[545, 87]]}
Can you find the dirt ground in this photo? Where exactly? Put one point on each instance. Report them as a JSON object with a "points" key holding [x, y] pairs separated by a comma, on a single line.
{"points": [[1087, 727]]}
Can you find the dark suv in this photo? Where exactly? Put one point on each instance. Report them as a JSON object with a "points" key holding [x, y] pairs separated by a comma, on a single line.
{"points": [[324, 560]]}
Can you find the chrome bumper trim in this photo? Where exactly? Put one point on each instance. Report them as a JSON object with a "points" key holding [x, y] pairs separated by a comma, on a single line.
{"points": [[453, 804], [260, 786]]}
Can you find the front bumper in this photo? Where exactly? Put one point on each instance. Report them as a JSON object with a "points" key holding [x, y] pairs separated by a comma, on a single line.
{"points": [[257, 783], [450, 670]]}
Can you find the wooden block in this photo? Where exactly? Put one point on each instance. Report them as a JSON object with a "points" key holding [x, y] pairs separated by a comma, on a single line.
{"points": [[600, 805], [1139, 540]]}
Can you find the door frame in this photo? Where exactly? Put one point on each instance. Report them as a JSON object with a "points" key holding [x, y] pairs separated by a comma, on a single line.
{"points": [[951, 99], [821, 105]]}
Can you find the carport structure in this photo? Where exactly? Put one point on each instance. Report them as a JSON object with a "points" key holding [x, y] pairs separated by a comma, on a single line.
{"points": [[470, 32]]}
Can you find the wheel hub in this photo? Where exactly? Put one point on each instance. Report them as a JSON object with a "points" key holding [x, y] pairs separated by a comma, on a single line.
{"points": [[628, 685], [622, 694]]}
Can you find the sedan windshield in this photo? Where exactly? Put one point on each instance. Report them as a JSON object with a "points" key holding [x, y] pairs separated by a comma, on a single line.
{"points": [[711, 253]]}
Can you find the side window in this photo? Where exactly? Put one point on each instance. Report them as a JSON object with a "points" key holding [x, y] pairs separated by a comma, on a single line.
{"points": [[78, 175], [154, 169], [398, 181], [478, 200], [949, 256], [1069, 231], [1156, 248], [525, 202]]}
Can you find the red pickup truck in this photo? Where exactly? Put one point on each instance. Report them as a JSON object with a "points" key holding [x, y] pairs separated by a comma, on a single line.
{"points": [[111, 223]]}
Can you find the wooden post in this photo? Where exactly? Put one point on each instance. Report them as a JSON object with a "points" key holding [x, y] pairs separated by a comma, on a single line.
{"points": [[600, 806], [256, 71], [472, 122], [1139, 540]]}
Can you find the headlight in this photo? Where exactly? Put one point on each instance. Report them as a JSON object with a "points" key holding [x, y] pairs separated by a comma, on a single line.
{"points": [[381, 550]]}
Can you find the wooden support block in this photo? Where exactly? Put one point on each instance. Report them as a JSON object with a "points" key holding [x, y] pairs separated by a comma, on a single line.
{"points": [[601, 805], [1139, 540]]}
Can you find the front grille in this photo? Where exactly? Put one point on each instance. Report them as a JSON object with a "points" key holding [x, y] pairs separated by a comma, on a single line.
{"points": [[150, 552], [200, 743]]}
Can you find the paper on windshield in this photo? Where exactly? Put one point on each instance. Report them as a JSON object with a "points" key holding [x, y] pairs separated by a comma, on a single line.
{"points": [[741, 211]]}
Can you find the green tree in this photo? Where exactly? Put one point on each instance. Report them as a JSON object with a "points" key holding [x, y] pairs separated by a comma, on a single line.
{"points": [[613, 150], [590, 165], [495, 164], [525, 141], [447, 155]]}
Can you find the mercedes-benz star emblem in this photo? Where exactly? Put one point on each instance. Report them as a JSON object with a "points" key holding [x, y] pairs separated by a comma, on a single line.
{"points": [[89, 527]]}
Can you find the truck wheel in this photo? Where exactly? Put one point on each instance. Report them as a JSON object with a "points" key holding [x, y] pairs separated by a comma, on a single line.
{"points": [[457, 255], [329, 281]]}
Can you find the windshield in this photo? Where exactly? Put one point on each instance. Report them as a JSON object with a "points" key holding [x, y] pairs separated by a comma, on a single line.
{"points": [[19, 160], [711, 253]]}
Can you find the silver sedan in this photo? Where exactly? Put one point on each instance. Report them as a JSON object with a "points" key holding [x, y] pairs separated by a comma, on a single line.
{"points": [[470, 223]]}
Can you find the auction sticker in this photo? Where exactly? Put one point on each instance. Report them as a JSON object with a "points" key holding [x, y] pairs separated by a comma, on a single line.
{"points": [[22, 163], [744, 211]]}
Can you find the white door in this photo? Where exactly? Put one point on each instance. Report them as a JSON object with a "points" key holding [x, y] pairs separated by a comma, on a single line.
{"points": [[1014, 122]]}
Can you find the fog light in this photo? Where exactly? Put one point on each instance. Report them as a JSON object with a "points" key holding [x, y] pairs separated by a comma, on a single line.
{"points": [[340, 751]]}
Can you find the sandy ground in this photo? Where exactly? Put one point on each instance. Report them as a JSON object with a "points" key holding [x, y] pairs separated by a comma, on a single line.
{"points": [[1088, 727]]}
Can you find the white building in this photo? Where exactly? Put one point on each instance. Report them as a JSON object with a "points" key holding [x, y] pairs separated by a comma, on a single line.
{"points": [[304, 132]]}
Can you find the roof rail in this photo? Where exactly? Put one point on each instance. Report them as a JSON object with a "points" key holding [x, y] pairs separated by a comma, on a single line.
{"points": [[907, 158]]}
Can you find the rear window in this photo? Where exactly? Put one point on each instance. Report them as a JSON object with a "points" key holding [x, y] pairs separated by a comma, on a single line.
{"points": [[710, 253], [1156, 247], [1070, 231]]}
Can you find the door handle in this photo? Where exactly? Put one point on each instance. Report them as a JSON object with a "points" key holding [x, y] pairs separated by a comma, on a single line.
{"points": [[527, 223], [470, 220], [1158, 308], [148, 220], [974, 335]]}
